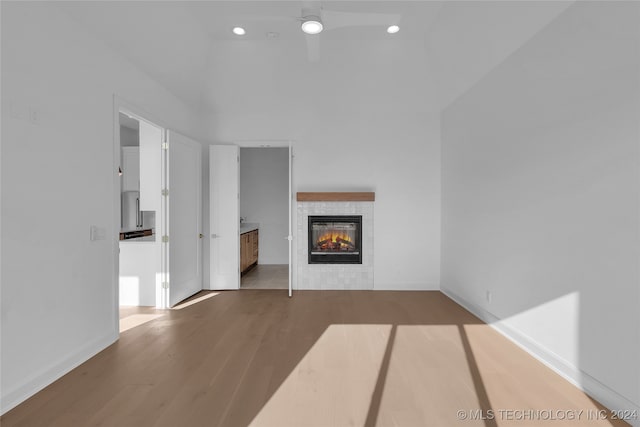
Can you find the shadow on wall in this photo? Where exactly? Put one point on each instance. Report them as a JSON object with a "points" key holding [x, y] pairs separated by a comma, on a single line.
{"points": [[540, 197]]}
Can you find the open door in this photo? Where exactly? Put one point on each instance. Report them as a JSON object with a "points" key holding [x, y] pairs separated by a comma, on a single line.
{"points": [[152, 176], [184, 179], [224, 216]]}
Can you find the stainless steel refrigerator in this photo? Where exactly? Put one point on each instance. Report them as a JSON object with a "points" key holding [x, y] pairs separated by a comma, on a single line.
{"points": [[131, 216]]}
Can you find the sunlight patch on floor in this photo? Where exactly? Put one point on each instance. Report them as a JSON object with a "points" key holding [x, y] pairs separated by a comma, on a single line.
{"points": [[134, 320], [509, 387], [195, 301], [427, 361], [333, 383]]}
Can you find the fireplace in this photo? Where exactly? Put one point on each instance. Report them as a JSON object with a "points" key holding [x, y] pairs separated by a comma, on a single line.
{"points": [[335, 239]]}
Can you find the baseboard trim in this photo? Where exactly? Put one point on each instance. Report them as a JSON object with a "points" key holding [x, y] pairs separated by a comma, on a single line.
{"points": [[46, 376], [585, 382], [409, 286]]}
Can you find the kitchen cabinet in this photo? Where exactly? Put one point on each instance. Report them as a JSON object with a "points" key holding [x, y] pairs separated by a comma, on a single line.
{"points": [[249, 250], [139, 262], [130, 161]]}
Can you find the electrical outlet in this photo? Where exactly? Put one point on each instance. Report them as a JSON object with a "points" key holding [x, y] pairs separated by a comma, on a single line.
{"points": [[489, 297]]}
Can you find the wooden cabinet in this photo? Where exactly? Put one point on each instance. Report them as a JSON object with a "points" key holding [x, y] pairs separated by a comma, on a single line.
{"points": [[244, 254], [248, 250], [130, 161]]}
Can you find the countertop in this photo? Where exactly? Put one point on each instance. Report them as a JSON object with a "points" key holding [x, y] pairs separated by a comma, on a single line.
{"points": [[151, 238], [147, 238], [248, 226], [126, 230]]}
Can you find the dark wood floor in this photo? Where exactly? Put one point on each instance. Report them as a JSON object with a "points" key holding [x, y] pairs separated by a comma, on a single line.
{"points": [[321, 358]]}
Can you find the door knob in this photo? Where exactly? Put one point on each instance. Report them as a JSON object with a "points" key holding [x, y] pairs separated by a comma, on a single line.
{"points": [[200, 236]]}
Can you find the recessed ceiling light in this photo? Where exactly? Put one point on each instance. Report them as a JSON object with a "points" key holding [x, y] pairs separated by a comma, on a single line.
{"points": [[393, 29], [239, 31], [312, 25]]}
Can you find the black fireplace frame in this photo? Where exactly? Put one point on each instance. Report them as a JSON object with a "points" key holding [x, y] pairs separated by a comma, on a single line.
{"points": [[335, 258]]}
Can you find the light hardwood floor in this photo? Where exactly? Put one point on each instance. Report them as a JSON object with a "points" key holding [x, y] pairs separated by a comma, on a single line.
{"points": [[325, 358], [266, 276]]}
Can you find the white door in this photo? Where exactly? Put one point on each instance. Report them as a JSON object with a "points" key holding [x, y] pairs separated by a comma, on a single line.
{"points": [[185, 223], [130, 161], [224, 216], [150, 166], [152, 173]]}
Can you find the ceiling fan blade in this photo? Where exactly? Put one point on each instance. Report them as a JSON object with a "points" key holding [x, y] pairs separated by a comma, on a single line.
{"points": [[313, 47], [335, 19]]}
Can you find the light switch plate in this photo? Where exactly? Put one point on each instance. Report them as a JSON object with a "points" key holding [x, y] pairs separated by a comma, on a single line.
{"points": [[97, 233]]}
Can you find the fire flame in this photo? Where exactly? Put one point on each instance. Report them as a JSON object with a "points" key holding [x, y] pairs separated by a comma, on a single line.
{"points": [[334, 240], [333, 237]]}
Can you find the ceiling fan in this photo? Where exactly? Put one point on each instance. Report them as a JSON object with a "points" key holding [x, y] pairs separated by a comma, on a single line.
{"points": [[315, 20]]}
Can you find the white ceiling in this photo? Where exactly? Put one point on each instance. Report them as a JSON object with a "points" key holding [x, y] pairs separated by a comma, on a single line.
{"points": [[442, 49]]}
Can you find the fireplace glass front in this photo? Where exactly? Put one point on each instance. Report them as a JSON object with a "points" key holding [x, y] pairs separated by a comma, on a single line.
{"points": [[335, 240]]}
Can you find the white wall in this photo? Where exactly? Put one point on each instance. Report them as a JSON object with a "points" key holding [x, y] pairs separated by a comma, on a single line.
{"points": [[264, 190], [59, 289], [129, 137], [397, 156], [470, 38], [541, 196], [369, 127]]}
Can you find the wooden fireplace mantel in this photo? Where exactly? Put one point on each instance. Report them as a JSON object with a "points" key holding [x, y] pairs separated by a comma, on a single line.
{"points": [[336, 197]]}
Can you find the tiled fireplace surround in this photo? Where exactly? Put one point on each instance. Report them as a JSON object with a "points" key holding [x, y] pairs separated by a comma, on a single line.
{"points": [[335, 276]]}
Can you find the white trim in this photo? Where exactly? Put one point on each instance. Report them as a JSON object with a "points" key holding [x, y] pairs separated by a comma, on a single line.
{"points": [[115, 279], [585, 382], [137, 113], [263, 143], [165, 245], [405, 286], [44, 377]]}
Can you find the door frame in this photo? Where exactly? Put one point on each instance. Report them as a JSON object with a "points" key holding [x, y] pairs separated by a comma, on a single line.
{"points": [[122, 105], [279, 143]]}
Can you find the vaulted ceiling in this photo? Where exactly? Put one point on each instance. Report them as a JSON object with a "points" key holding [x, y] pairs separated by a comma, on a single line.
{"points": [[443, 48]]}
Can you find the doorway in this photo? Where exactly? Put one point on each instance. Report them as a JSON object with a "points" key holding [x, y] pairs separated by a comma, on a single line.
{"points": [[158, 196], [264, 219], [224, 215], [140, 178]]}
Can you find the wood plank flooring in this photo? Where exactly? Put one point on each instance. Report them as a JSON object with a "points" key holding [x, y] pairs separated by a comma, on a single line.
{"points": [[321, 358], [266, 276]]}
